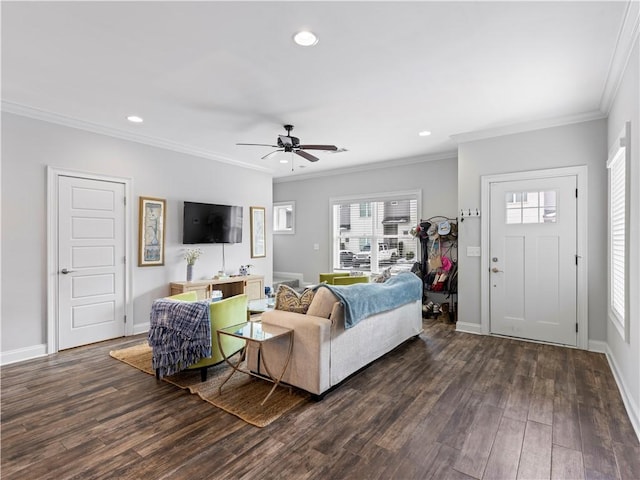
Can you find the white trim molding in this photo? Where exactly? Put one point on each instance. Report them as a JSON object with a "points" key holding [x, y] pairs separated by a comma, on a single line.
{"points": [[514, 128], [581, 249], [401, 162], [466, 327], [22, 354], [632, 408], [141, 328], [629, 31], [46, 116]]}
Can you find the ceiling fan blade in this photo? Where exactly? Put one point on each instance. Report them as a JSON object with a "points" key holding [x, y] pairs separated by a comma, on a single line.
{"points": [[258, 145], [269, 155], [319, 147], [306, 155], [286, 140]]}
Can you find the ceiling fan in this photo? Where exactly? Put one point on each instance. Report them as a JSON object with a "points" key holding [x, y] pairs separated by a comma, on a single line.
{"points": [[287, 143]]}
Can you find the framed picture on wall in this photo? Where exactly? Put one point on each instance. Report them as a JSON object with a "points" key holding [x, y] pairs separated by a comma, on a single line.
{"points": [[151, 224], [258, 239]]}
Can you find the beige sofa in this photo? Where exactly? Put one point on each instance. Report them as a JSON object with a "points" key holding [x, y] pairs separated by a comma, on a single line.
{"points": [[324, 352]]}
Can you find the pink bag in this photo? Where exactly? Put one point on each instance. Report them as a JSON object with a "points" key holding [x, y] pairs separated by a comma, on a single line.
{"points": [[446, 264]]}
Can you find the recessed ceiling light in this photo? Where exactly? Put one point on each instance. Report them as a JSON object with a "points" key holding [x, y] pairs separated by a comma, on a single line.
{"points": [[424, 133], [284, 161], [135, 119], [305, 38]]}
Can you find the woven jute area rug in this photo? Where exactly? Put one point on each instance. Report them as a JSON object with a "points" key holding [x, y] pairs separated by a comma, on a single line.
{"points": [[241, 395]]}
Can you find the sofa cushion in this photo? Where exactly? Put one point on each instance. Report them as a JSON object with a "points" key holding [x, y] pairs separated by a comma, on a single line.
{"points": [[289, 300], [322, 303]]}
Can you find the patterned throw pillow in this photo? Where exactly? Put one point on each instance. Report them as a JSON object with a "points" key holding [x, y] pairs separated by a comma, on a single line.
{"points": [[289, 300]]}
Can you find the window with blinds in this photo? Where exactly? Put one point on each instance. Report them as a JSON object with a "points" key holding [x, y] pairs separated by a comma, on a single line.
{"points": [[383, 221], [618, 193]]}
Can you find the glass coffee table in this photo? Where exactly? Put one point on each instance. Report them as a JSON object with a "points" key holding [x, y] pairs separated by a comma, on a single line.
{"points": [[258, 334], [257, 307]]}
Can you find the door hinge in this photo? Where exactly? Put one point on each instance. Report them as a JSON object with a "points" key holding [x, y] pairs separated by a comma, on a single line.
{"points": [[125, 200], [576, 193], [576, 327], [125, 320]]}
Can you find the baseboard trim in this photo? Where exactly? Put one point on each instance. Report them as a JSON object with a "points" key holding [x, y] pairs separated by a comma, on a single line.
{"points": [[598, 346], [140, 328], [632, 408], [22, 354], [465, 327]]}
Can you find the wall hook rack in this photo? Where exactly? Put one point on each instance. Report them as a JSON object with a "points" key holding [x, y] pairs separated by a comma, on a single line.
{"points": [[469, 212]]}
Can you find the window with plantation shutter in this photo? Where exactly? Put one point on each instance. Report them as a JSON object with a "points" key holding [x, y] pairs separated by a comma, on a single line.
{"points": [[618, 193]]}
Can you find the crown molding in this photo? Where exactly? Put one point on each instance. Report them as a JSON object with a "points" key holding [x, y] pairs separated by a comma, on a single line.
{"points": [[50, 117], [627, 37], [450, 155], [526, 127]]}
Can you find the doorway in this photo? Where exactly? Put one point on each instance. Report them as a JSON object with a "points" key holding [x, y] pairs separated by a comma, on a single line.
{"points": [[533, 256], [89, 275]]}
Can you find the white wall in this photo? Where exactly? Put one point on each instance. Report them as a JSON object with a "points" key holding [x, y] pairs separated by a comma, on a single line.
{"points": [[294, 253], [569, 145], [29, 146], [625, 356]]}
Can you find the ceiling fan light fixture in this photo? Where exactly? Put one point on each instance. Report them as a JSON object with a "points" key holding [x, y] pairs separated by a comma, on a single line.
{"points": [[305, 38]]}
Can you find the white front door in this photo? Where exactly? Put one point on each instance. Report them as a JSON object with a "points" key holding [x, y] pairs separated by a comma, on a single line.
{"points": [[533, 274], [91, 261]]}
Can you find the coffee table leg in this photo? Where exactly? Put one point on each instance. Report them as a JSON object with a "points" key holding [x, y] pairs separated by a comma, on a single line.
{"points": [[276, 382]]}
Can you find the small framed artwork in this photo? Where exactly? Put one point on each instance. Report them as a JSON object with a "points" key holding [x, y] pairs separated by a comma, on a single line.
{"points": [[258, 240], [151, 231]]}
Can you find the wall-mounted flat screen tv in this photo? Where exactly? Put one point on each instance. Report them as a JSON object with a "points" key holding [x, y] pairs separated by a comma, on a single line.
{"points": [[211, 223]]}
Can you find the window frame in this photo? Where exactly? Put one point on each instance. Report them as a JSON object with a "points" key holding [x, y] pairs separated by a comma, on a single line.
{"points": [[371, 197], [619, 158], [278, 206]]}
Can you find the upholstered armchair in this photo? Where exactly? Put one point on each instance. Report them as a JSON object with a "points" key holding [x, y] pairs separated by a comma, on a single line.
{"points": [[342, 278], [350, 280], [329, 278], [224, 313]]}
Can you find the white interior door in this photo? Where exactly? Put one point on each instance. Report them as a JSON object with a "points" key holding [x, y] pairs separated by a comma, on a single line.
{"points": [[533, 279], [91, 261]]}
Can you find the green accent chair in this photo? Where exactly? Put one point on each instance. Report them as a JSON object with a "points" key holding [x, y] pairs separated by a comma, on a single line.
{"points": [[224, 313], [329, 278], [350, 280]]}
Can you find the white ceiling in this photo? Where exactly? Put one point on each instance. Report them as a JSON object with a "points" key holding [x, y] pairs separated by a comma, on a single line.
{"points": [[206, 75]]}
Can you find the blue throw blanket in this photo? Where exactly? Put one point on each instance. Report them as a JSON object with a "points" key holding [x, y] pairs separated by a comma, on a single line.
{"points": [[180, 334], [362, 300]]}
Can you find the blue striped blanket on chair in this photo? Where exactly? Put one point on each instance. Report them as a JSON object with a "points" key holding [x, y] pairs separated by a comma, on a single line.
{"points": [[180, 334]]}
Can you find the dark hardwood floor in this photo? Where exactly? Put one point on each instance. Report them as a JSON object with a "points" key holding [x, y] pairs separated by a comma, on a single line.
{"points": [[447, 405]]}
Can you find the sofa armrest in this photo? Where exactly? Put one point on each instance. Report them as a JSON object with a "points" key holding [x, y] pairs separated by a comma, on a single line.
{"points": [[309, 367]]}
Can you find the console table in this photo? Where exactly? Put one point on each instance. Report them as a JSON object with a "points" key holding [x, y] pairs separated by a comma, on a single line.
{"points": [[252, 285]]}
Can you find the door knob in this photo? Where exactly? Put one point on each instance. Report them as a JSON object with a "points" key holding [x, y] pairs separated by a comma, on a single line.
{"points": [[65, 271], [496, 270]]}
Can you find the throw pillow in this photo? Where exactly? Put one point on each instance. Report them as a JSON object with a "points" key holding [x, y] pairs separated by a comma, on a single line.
{"points": [[382, 277], [322, 303], [289, 300]]}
